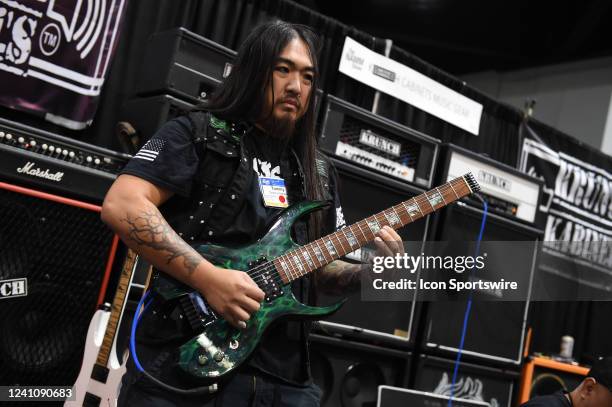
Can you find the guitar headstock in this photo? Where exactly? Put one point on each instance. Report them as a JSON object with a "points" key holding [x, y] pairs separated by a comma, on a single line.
{"points": [[471, 181]]}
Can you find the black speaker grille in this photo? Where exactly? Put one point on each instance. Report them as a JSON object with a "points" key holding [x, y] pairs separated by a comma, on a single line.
{"points": [[62, 250]]}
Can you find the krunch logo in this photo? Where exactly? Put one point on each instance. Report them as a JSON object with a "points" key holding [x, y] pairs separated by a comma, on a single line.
{"points": [[29, 169], [17, 287]]}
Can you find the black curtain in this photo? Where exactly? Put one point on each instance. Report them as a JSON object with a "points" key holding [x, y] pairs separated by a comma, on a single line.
{"points": [[587, 321], [227, 22]]}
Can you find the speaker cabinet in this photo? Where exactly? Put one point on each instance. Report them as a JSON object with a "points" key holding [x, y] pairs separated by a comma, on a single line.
{"points": [[184, 64], [473, 382], [63, 254], [389, 396], [349, 373], [390, 322]]}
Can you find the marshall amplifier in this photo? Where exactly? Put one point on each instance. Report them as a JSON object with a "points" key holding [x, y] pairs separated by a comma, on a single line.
{"points": [[183, 64], [56, 255], [389, 396], [496, 331], [33, 157], [377, 143]]}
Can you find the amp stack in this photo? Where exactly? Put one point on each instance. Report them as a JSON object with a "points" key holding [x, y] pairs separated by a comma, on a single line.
{"points": [[55, 253], [495, 335], [380, 163], [179, 70]]}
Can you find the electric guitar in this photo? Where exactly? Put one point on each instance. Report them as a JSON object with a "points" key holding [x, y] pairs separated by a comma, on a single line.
{"points": [[100, 376], [273, 263]]}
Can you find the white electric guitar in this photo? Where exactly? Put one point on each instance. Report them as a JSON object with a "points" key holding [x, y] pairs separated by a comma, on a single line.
{"points": [[100, 376]]}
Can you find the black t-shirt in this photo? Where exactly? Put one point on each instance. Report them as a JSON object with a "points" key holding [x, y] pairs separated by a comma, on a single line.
{"points": [[170, 160], [552, 400]]}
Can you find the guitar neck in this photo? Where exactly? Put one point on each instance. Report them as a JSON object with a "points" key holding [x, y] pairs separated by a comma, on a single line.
{"points": [[117, 308], [299, 262]]}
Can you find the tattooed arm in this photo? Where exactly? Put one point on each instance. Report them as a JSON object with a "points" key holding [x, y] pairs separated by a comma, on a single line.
{"points": [[130, 209], [340, 277]]}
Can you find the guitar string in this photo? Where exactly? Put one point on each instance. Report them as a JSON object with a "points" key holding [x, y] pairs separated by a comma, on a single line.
{"points": [[256, 273], [420, 199]]}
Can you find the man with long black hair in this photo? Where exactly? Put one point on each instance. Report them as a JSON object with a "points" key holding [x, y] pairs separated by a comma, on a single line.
{"points": [[203, 172]]}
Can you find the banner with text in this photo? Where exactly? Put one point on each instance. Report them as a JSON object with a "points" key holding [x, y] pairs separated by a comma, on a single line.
{"points": [[54, 56], [576, 208], [410, 86]]}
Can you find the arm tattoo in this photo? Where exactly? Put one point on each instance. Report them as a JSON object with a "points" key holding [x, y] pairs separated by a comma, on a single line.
{"points": [[150, 229], [339, 277]]}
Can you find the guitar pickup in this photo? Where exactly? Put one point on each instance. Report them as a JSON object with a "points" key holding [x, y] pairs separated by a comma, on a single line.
{"points": [[195, 311]]}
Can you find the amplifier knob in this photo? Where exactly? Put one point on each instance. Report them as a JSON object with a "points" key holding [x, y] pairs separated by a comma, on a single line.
{"points": [[51, 149], [33, 143], [58, 151], [65, 153], [89, 159], [97, 161], [71, 154], [9, 136], [1, 135], [21, 140], [44, 147]]}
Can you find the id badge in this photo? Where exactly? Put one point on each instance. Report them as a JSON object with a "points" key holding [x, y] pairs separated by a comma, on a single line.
{"points": [[273, 192]]}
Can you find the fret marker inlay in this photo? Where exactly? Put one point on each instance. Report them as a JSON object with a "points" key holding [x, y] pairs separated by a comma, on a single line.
{"points": [[373, 225], [331, 249]]}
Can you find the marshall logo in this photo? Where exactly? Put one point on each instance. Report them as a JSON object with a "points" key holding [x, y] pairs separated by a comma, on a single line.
{"points": [[17, 287], [29, 169]]}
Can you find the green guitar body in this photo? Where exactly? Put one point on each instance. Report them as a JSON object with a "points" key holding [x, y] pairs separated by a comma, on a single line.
{"points": [[220, 348]]}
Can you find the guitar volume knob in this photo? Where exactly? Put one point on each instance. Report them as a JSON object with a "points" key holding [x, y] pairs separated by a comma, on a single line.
{"points": [[219, 356], [202, 360]]}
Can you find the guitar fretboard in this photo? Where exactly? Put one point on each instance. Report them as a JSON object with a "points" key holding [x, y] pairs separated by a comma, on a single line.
{"points": [[117, 308], [312, 256]]}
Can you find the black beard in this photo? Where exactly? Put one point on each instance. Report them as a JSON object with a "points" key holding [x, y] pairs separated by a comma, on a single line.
{"points": [[281, 129]]}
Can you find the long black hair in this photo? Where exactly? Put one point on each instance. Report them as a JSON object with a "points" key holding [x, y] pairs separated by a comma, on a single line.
{"points": [[242, 95]]}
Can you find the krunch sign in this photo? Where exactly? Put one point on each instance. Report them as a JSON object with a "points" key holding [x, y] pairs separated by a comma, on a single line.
{"points": [[576, 207]]}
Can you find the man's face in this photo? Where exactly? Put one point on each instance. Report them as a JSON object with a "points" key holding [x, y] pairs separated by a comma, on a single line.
{"points": [[292, 76], [593, 394], [602, 397]]}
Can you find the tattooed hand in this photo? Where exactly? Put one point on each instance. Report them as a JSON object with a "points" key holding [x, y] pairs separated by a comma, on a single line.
{"points": [[131, 209]]}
